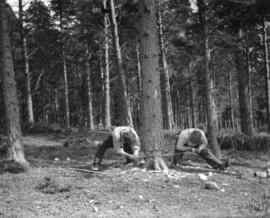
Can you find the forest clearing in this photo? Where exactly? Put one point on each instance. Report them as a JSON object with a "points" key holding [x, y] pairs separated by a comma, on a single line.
{"points": [[172, 95], [52, 188]]}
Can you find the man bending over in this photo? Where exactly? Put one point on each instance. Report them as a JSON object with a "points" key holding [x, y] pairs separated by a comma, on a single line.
{"points": [[124, 140], [194, 140]]}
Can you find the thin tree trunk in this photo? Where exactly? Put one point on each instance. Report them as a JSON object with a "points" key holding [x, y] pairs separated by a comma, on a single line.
{"points": [[90, 123], [248, 69], [153, 137], [101, 95], [246, 126], [107, 106], [126, 118], [15, 147], [30, 114], [213, 92], [66, 99], [210, 104], [165, 80], [139, 70], [191, 103], [77, 95], [56, 105], [43, 101], [230, 94], [267, 74], [139, 101]]}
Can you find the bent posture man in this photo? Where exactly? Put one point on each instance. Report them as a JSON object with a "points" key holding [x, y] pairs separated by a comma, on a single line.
{"points": [[194, 140], [124, 140]]}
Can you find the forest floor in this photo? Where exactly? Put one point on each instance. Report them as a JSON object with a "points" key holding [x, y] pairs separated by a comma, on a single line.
{"points": [[53, 188]]}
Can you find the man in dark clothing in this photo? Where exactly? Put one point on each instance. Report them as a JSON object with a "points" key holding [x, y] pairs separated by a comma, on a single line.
{"points": [[194, 140], [124, 140]]}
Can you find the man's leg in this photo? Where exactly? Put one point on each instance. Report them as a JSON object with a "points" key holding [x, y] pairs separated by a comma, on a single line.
{"points": [[107, 143], [212, 160], [128, 149], [178, 156]]}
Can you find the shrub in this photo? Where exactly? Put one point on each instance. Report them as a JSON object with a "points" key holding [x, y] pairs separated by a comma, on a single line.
{"points": [[241, 141]]}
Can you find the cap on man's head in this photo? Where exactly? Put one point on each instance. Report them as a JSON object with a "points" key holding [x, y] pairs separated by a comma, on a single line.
{"points": [[196, 137]]}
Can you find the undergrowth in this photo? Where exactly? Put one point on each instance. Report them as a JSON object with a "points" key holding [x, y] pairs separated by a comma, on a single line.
{"points": [[241, 141]]}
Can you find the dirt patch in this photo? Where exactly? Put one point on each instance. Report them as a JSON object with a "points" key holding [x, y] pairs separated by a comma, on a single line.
{"points": [[51, 185], [53, 188]]}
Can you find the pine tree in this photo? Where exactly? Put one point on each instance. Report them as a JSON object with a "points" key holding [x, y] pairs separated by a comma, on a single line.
{"points": [[12, 115]]}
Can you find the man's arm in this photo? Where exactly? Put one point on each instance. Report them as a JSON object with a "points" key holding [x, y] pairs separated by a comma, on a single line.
{"points": [[182, 140], [122, 152], [136, 146], [136, 150], [202, 145], [118, 146], [200, 148]]}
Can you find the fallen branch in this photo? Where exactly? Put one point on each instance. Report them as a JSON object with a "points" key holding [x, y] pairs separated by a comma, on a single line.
{"points": [[86, 171]]}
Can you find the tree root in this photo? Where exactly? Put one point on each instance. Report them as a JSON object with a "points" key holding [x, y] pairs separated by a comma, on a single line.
{"points": [[12, 166], [156, 163]]}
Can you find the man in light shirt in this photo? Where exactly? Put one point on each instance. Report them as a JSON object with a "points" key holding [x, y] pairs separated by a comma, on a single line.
{"points": [[124, 140], [194, 140]]}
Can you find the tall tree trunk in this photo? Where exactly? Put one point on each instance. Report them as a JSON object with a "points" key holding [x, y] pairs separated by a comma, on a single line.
{"points": [[56, 105], [107, 100], [210, 104], [77, 93], [30, 114], [126, 118], [43, 100], [152, 127], [139, 70], [101, 95], [230, 94], [139, 82], [90, 123], [242, 78], [165, 80], [249, 79], [267, 74], [212, 74], [191, 103], [15, 147], [66, 100]]}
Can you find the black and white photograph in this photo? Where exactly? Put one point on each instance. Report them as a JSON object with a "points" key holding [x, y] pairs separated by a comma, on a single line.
{"points": [[134, 109]]}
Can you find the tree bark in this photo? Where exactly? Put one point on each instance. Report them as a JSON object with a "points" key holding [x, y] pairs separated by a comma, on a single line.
{"points": [[30, 114], [139, 82], [15, 147], [66, 98], [267, 74], [165, 80], [210, 104], [191, 103], [248, 69], [126, 117], [43, 100], [139, 70], [107, 106], [153, 137], [55, 105], [230, 94], [212, 74], [246, 126], [90, 120]]}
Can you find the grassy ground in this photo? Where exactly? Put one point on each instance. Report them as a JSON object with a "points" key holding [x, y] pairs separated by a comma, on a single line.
{"points": [[52, 188]]}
